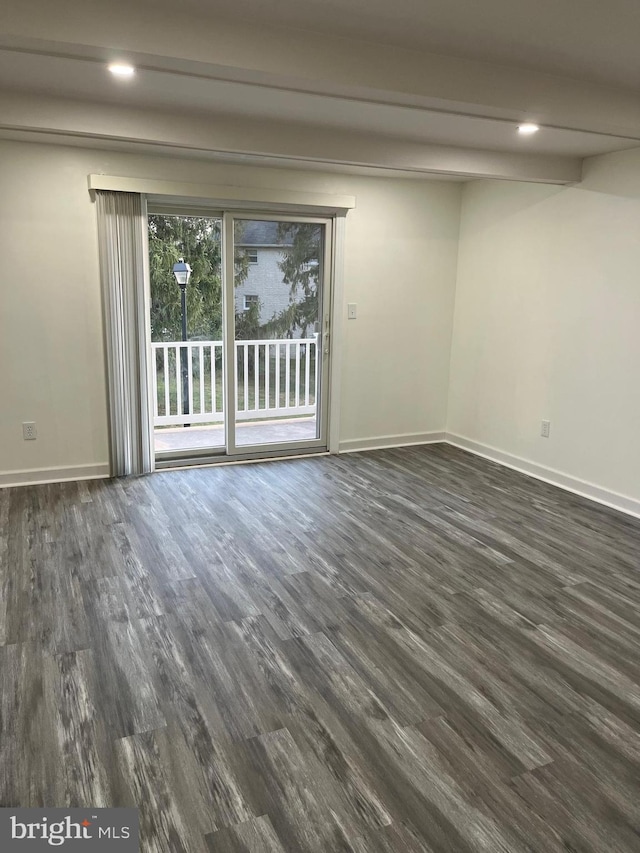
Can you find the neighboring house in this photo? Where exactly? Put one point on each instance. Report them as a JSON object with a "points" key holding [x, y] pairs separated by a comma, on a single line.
{"points": [[264, 284]]}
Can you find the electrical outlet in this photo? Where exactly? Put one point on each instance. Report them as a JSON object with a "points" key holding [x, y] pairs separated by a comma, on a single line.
{"points": [[352, 311], [545, 429], [29, 432]]}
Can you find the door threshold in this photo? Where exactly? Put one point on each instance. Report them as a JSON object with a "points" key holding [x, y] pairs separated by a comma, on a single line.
{"points": [[213, 461]]}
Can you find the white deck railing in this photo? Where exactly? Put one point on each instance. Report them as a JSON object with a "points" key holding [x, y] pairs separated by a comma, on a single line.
{"points": [[273, 379]]}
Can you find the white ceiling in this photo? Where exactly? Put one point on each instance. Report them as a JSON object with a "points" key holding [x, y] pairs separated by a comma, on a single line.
{"points": [[589, 39], [333, 81], [186, 93]]}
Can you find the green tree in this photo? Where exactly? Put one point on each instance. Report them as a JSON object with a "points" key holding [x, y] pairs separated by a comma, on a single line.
{"points": [[197, 240], [300, 267]]}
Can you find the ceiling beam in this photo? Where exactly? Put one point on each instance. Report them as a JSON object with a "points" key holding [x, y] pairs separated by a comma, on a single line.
{"points": [[170, 37], [273, 140]]}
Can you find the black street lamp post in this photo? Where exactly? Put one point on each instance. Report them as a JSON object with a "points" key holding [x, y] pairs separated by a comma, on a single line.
{"points": [[182, 272]]}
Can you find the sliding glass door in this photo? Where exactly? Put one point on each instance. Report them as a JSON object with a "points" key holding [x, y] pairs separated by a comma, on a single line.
{"points": [[240, 334], [278, 308], [187, 354]]}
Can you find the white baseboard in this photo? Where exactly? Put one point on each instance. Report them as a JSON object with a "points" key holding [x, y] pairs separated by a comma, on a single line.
{"points": [[381, 442], [625, 504], [39, 476]]}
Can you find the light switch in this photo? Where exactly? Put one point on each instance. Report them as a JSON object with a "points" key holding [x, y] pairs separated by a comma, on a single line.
{"points": [[352, 312]]}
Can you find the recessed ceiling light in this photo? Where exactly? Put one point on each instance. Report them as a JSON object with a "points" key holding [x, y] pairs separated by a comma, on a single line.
{"points": [[528, 129], [120, 69]]}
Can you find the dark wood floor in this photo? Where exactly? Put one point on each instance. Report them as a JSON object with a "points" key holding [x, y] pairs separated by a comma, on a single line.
{"points": [[404, 650]]}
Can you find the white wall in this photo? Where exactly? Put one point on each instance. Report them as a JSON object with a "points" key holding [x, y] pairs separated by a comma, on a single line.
{"points": [[547, 325], [51, 337], [400, 269], [401, 253]]}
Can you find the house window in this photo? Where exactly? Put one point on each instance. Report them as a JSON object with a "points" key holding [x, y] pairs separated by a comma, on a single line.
{"points": [[252, 256], [249, 300]]}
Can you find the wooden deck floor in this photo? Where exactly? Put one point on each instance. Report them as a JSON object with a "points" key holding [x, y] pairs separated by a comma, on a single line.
{"points": [[247, 432], [398, 651]]}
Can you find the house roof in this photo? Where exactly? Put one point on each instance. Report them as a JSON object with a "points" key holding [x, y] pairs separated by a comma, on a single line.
{"points": [[259, 232]]}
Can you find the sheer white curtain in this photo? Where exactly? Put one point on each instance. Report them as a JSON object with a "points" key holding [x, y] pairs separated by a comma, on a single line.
{"points": [[122, 241]]}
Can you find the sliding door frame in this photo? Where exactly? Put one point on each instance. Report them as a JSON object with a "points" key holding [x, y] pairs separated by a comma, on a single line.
{"points": [[324, 349], [325, 394]]}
